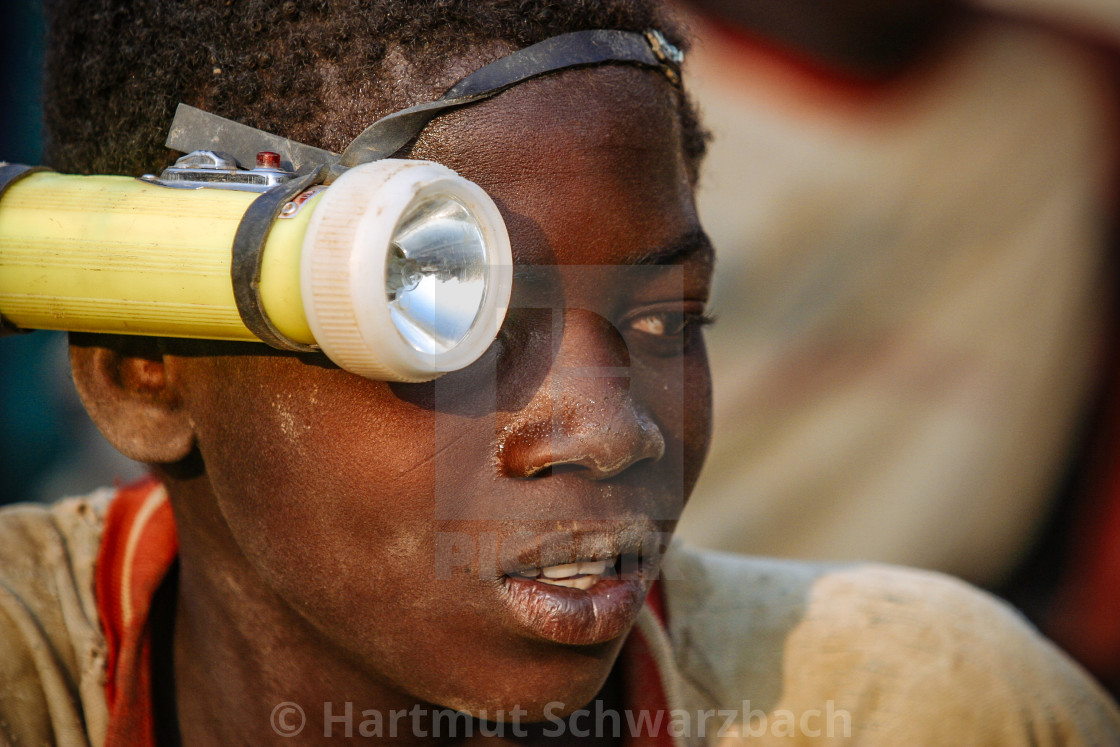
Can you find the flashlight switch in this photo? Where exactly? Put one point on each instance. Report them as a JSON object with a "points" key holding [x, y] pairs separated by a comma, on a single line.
{"points": [[267, 159]]}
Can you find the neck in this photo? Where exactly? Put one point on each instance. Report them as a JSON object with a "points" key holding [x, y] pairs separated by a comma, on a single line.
{"points": [[240, 650]]}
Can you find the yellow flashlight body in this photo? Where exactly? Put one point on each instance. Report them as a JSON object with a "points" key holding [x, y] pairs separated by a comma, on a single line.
{"points": [[131, 256], [122, 255]]}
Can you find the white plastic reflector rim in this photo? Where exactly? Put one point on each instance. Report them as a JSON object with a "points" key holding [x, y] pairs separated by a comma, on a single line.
{"points": [[343, 269]]}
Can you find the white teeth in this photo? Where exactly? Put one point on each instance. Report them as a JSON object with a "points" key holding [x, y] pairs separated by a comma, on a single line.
{"points": [[593, 568], [561, 571], [567, 570], [580, 575]]}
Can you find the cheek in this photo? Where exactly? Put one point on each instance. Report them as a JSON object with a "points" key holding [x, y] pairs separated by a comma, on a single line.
{"points": [[291, 435], [687, 395], [678, 393], [697, 416], [313, 479], [328, 486]]}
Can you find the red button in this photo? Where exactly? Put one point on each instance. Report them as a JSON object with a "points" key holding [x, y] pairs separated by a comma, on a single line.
{"points": [[266, 159]]}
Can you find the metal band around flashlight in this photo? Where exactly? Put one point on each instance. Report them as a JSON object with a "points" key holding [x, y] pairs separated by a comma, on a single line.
{"points": [[248, 254]]}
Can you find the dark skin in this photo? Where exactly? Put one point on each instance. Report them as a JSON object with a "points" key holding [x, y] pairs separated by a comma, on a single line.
{"points": [[314, 505]]}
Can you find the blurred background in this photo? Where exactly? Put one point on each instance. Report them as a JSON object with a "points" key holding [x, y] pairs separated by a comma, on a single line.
{"points": [[915, 204], [915, 208]]}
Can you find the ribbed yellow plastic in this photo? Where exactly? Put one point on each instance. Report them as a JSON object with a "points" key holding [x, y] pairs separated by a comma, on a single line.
{"points": [[116, 254]]}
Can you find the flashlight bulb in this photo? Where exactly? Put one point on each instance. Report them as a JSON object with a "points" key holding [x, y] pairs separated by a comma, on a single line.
{"points": [[436, 274], [407, 271]]}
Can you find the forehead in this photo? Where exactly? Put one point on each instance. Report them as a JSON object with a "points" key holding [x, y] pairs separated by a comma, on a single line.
{"points": [[593, 154]]}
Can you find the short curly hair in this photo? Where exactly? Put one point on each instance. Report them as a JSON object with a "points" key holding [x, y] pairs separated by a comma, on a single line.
{"points": [[116, 69]]}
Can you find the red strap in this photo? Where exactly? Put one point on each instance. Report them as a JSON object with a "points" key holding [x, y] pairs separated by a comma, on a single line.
{"points": [[646, 720], [138, 546]]}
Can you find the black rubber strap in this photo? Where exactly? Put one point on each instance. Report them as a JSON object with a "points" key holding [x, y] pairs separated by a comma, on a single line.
{"points": [[389, 134], [248, 252], [10, 173]]}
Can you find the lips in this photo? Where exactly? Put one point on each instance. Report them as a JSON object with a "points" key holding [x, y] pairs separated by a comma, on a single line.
{"points": [[581, 589]]}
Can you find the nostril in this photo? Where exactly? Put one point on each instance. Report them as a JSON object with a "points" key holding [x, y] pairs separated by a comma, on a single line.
{"points": [[549, 470], [595, 448]]}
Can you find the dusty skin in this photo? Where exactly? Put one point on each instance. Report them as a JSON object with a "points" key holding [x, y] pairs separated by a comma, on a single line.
{"points": [[311, 502]]}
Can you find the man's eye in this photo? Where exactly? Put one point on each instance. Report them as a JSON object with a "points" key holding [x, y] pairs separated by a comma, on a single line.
{"points": [[668, 325], [663, 325]]}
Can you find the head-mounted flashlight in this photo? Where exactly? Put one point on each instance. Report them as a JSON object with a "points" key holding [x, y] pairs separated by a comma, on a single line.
{"points": [[400, 270], [397, 270]]}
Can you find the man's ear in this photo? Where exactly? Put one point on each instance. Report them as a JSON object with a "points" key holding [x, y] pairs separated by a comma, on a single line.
{"points": [[123, 384]]}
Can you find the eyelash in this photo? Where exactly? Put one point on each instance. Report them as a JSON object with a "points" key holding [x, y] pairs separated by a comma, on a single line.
{"points": [[673, 324], [681, 321], [660, 345]]}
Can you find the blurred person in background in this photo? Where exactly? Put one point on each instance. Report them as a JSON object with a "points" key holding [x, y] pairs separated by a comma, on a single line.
{"points": [[915, 205]]}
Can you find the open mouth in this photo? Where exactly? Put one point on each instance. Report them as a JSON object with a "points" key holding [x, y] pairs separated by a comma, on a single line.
{"points": [[582, 587]]}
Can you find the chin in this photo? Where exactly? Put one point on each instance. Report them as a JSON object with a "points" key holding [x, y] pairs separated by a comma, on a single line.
{"points": [[537, 691]]}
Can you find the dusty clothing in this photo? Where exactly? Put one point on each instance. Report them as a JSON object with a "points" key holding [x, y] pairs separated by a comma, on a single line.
{"points": [[752, 649]]}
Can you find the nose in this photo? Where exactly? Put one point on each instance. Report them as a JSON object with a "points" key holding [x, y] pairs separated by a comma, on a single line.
{"points": [[582, 417]]}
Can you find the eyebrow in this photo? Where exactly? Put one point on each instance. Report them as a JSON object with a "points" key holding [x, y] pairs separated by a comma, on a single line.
{"points": [[691, 244], [694, 243]]}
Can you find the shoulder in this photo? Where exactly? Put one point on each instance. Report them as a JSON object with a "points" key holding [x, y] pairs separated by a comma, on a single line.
{"points": [[52, 650], [906, 656]]}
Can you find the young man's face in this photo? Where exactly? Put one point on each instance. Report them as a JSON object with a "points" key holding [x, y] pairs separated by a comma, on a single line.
{"points": [[396, 519]]}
